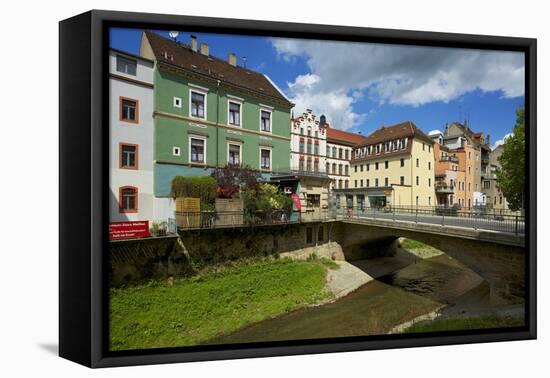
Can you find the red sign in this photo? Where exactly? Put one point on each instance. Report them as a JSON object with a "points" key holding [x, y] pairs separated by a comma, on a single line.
{"points": [[296, 202], [128, 230]]}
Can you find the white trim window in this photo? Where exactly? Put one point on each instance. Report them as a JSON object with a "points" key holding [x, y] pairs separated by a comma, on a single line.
{"points": [[126, 65], [234, 112], [197, 103], [177, 102], [265, 158], [197, 149], [234, 153], [266, 116]]}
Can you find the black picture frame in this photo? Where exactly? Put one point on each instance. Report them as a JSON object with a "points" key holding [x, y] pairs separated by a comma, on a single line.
{"points": [[83, 166]]}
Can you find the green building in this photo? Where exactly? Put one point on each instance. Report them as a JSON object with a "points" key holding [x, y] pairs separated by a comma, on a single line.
{"points": [[210, 112]]}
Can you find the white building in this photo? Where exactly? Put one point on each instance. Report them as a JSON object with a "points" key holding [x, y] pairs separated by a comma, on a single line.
{"points": [[130, 137], [308, 144]]}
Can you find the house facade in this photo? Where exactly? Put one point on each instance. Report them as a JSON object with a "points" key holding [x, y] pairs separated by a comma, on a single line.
{"points": [[339, 149], [210, 112], [394, 166], [308, 144], [495, 198], [450, 178], [130, 138]]}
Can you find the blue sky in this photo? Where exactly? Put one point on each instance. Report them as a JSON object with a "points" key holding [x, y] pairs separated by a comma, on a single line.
{"points": [[361, 87]]}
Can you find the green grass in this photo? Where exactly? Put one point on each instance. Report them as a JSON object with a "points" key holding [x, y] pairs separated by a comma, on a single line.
{"points": [[464, 323], [420, 249], [192, 311]]}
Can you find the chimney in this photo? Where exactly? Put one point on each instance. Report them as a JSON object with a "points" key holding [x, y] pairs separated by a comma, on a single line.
{"points": [[232, 59], [194, 43], [204, 48]]}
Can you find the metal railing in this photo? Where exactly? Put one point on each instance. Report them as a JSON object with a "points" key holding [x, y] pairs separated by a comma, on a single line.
{"points": [[228, 219], [443, 216]]}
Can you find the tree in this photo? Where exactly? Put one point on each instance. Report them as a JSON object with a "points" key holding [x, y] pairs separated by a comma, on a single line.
{"points": [[231, 179], [203, 187], [511, 174]]}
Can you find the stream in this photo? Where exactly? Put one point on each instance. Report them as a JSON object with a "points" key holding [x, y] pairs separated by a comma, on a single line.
{"points": [[405, 287]]}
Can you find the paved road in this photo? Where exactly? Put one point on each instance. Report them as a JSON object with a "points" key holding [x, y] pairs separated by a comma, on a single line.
{"points": [[507, 225]]}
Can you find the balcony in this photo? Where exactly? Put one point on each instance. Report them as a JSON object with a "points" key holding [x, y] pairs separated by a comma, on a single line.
{"points": [[452, 159], [444, 188]]}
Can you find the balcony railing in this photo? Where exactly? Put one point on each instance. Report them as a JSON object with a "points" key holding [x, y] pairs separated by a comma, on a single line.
{"points": [[444, 188], [453, 159]]}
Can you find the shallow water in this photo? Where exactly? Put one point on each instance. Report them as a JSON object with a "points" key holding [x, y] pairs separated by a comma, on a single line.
{"points": [[373, 309]]}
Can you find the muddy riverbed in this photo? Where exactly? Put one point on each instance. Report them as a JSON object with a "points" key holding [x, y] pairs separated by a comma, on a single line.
{"points": [[406, 287]]}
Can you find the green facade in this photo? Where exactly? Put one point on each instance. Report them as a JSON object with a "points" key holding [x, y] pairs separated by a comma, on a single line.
{"points": [[174, 126]]}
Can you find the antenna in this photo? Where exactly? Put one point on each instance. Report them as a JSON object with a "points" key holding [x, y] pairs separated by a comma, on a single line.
{"points": [[173, 34], [244, 61]]}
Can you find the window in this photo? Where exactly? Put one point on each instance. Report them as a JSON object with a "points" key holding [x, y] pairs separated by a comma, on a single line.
{"points": [[386, 181], [368, 167], [309, 235], [386, 164], [347, 154], [309, 131], [126, 65], [429, 166], [429, 150], [265, 121], [320, 234], [234, 113], [375, 182], [176, 151], [340, 153], [376, 166], [197, 150], [402, 180], [177, 102], [429, 182], [346, 184], [333, 152], [234, 151], [362, 167], [416, 200], [129, 111], [302, 130], [368, 183], [429, 201], [316, 166], [417, 180], [486, 184], [128, 199], [334, 168], [355, 168], [128, 156], [316, 134], [198, 104], [316, 148], [423, 146], [265, 159], [302, 144], [340, 169], [308, 146], [402, 162], [340, 184], [328, 151], [355, 183], [347, 170], [308, 165], [417, 163], [361, 183], [301, 164]]}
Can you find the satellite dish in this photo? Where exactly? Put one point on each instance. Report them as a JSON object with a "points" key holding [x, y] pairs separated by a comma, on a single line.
{"points": [[173, 34]]}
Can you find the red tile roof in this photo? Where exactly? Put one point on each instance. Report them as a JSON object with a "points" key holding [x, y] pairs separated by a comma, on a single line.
{"points": [[401, 130], [343, 136], [181, 56]]}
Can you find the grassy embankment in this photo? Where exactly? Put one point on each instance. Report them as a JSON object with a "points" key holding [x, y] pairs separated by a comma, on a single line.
{"points": [[464, 323], [193, 310], [420, 249]]}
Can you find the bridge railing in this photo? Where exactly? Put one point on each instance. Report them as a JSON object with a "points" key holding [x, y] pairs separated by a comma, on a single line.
{"points": [[514, 224], [227, 219]]}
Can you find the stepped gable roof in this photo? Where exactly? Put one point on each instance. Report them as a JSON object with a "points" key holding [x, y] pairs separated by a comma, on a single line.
{"points": [[180, 55], [400, 130]]}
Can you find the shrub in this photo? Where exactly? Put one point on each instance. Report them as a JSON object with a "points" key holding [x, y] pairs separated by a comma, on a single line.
{"points": [[203, 187], [232, 179]]}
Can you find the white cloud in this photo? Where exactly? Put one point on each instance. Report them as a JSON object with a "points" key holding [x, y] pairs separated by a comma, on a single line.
{"points": [[501, 141], [342, 72], [435, 132]]}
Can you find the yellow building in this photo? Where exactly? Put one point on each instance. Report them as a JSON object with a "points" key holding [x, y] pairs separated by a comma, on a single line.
{"points": [[394, 166]]}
